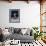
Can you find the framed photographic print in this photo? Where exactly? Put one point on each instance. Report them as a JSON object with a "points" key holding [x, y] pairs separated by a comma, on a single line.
{"points": [[14, 15]]}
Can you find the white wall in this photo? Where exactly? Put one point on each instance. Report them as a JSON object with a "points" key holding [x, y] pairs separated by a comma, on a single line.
{"points": [[29, 14]]}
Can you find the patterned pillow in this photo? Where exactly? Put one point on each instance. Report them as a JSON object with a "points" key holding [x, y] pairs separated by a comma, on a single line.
{"points": [[17, 30]]}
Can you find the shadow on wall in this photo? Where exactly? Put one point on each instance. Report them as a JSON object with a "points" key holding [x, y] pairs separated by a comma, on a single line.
{"points": [[19, 0], [23, 0]]}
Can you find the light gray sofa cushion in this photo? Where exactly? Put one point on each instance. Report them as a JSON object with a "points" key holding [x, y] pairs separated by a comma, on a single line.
{"points": [[22, 38]]}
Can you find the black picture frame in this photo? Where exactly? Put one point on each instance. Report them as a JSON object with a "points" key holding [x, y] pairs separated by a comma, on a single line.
{"points": [[14, 15]]}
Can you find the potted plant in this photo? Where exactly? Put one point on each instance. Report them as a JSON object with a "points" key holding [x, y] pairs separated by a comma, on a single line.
{"points": [[37, 33]]}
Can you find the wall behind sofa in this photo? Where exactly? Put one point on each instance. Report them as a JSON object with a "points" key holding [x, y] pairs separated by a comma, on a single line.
{"points": [[29, 14]]}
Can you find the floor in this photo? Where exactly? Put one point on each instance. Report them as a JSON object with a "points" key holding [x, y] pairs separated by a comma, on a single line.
{"points": [[35, 43]]}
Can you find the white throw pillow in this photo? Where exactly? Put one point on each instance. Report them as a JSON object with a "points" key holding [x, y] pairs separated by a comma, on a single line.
{"points": [[5, 32], [24, 30]]}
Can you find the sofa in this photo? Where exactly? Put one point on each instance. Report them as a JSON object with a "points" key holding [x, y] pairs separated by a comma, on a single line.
{"points": [[17, 34]]}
